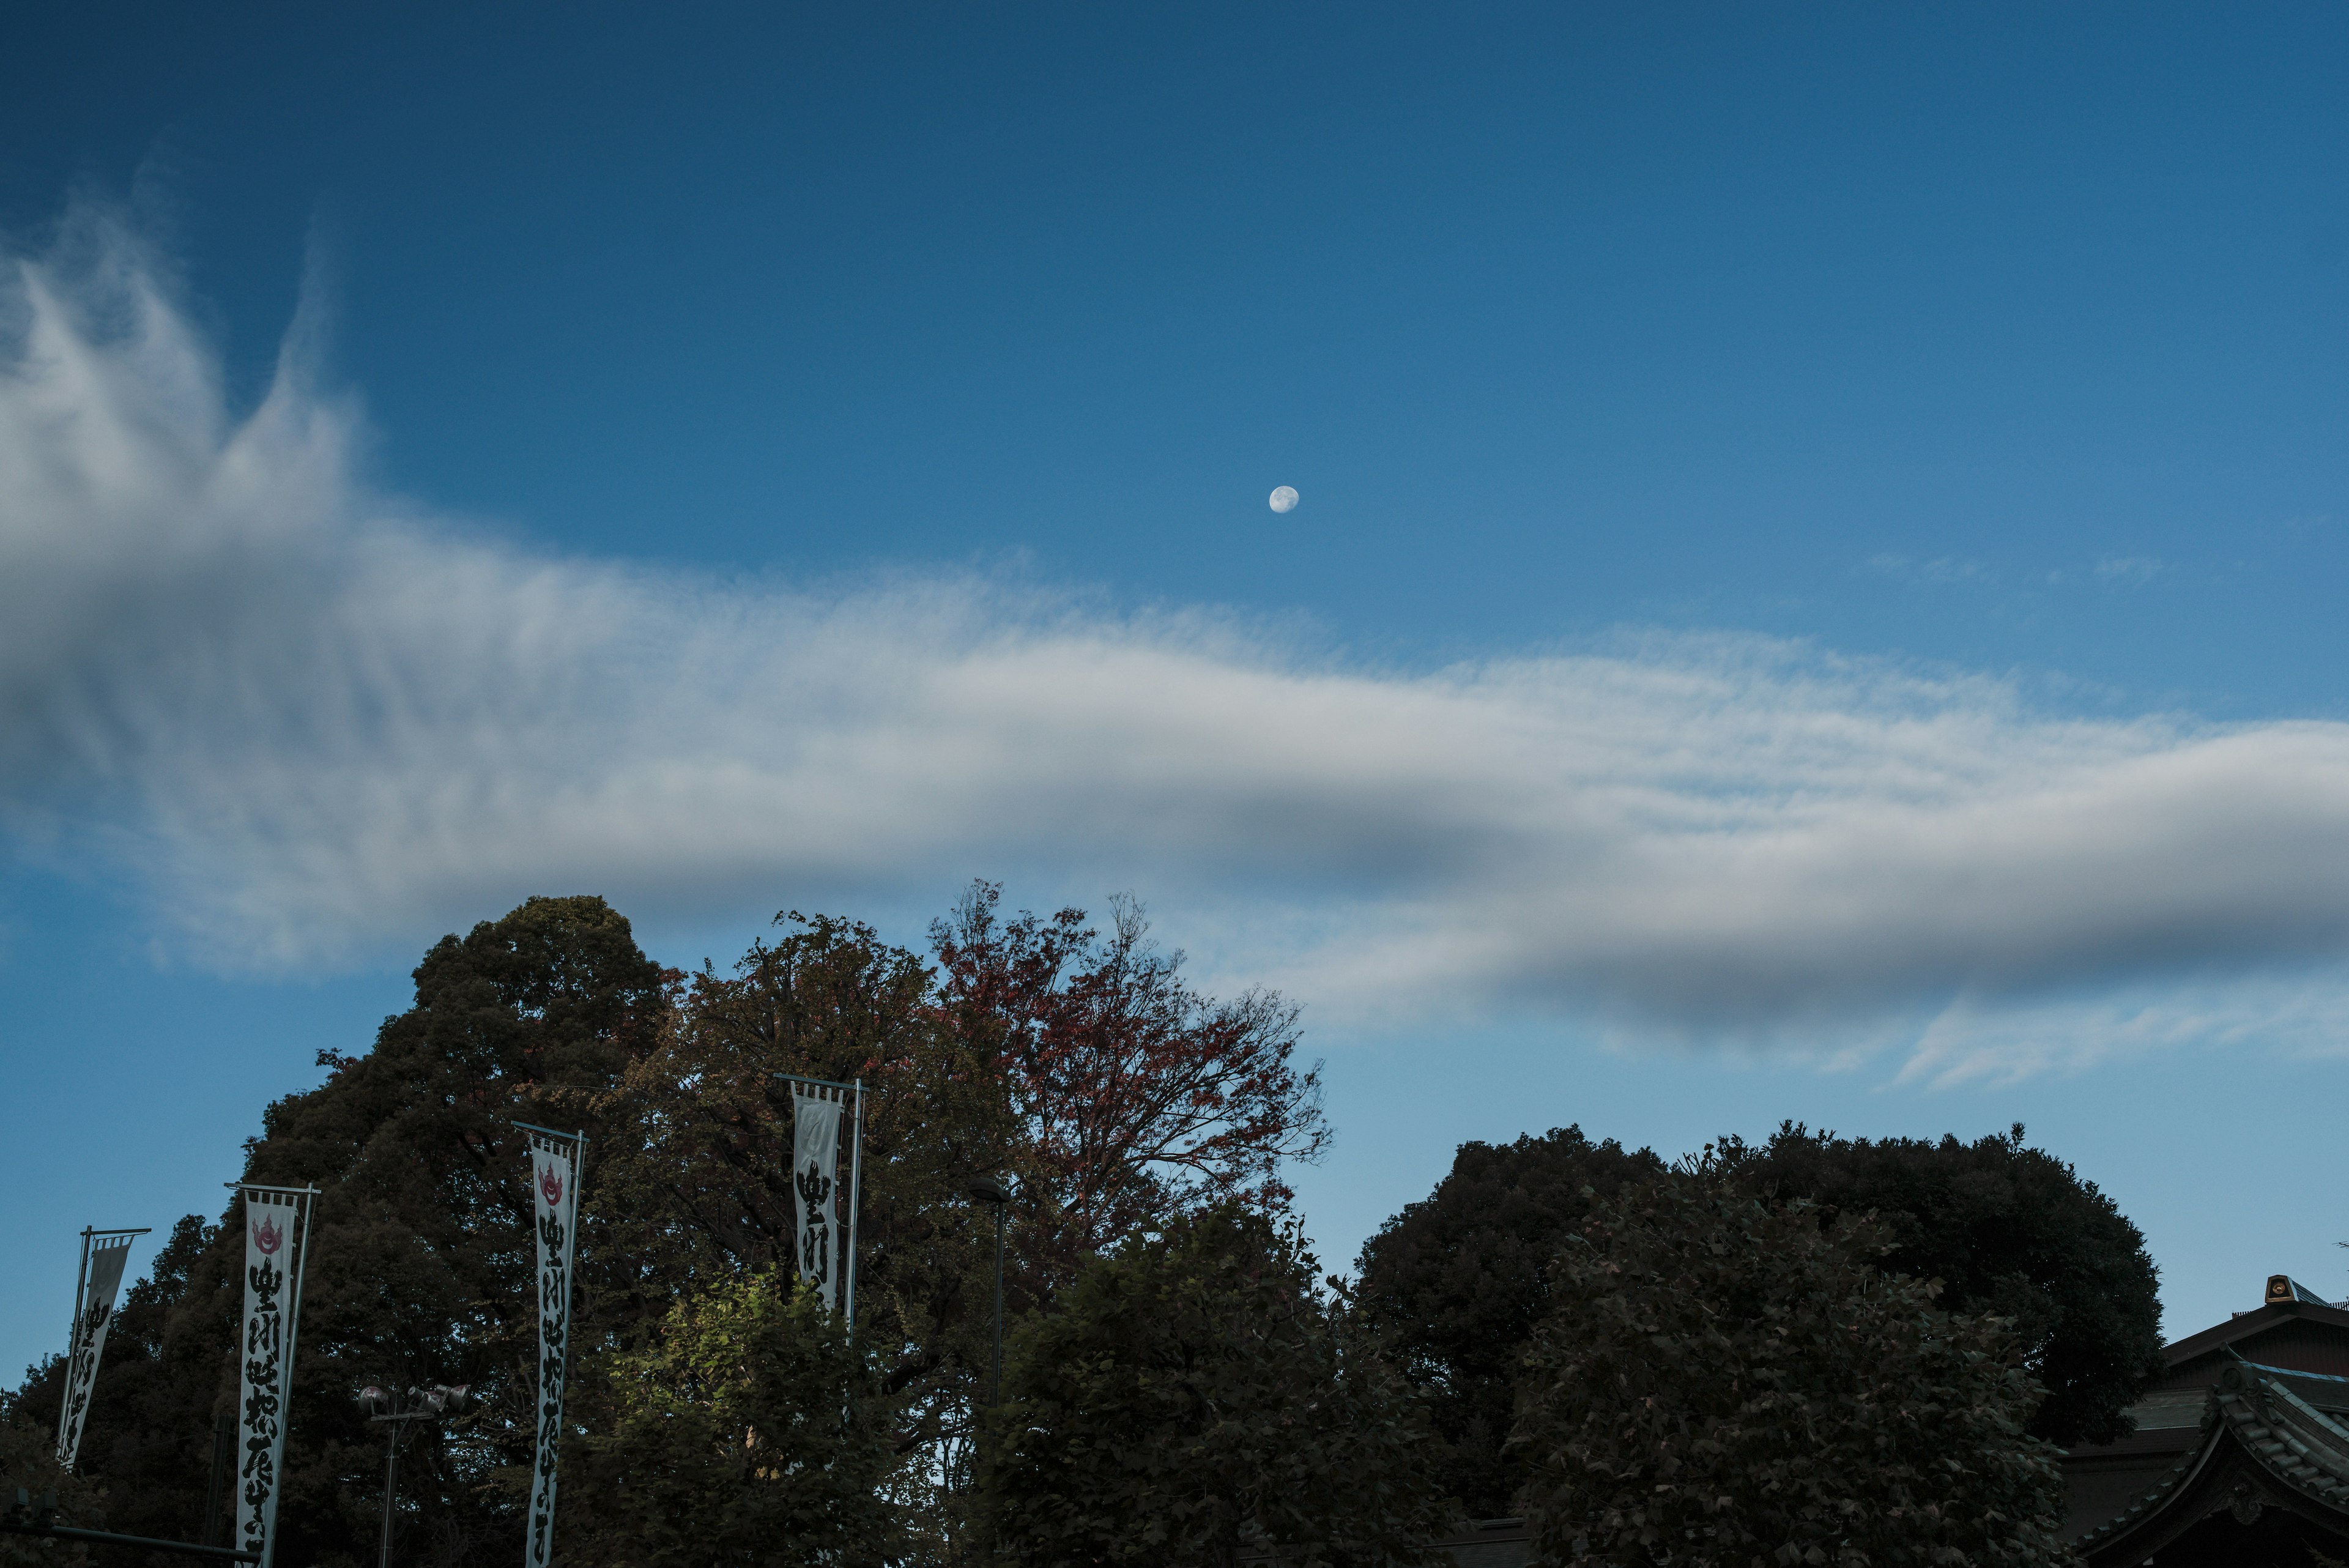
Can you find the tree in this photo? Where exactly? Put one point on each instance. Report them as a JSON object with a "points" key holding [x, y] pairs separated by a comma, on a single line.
{"points": [[1722, 1380], [700, 1167], [420, 1260], [28, 1461], [1084, 1069], [139, 1430], [1136, 1096], [2007, 1230], [1457, 1281], [1195, 1389], [752, 1430], [1109, 1091]]}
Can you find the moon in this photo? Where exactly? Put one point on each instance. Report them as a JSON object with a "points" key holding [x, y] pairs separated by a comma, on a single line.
{"points": [[1285, 498]]}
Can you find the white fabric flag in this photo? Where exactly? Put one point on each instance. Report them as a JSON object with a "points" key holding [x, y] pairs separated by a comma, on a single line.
{"points": [[815, 1170], [276, 1222], [554, 1184], [101, 1278]]}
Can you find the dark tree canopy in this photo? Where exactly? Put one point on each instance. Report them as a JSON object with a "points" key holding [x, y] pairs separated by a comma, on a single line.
{"points": [[2008, 1230], [1197, 1389], [748, 1430], [137, 1423], [699, 1176], [1082, 1068], [28, 1463], [421, 1258], [1457, 1281], [1726, 1382]]}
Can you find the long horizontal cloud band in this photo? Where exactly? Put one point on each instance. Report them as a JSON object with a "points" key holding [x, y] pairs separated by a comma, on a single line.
{"points": [[310, 720]]}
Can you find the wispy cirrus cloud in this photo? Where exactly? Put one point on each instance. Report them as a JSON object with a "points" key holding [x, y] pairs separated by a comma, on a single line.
{"points": [[305, 720], [1940, 571]]}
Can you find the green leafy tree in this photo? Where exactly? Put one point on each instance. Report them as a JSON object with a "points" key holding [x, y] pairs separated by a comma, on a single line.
{"points": [[1079, 1065], [1457, 1281], [1082, 1068], [2007, 1230], [420, 1265], [1194, 1391], [1725, 1381], [28, 1461], [700, 1174], [138, 1427], [750, 1430]]}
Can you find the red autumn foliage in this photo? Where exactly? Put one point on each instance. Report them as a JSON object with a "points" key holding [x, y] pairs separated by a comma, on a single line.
{"points": [[1136, 1097]]}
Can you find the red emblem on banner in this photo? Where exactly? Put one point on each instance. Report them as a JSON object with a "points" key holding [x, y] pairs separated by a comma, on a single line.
{"points": [[267, 1237], [552, 1184]]}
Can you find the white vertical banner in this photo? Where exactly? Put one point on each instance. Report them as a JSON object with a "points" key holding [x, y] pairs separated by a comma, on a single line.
{"points": [[555, 1160], [815, 1175], [103, 1254], [276, 1247]]}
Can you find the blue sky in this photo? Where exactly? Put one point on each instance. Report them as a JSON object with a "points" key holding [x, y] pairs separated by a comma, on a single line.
{"points": [[1814, 594]]}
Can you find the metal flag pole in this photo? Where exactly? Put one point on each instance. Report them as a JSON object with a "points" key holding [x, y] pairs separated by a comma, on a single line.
{"points": [[223, 1469], [81, 1284], [97, 1282], [293, 1314], [855, 1178]]}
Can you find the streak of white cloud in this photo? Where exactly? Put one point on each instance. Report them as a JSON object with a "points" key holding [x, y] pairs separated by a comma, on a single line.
{"points": [[304, 721], [2130, 571]]}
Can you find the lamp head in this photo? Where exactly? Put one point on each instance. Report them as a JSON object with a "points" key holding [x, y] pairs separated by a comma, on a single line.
{"points": [[988, 1190], [443, 1400]]}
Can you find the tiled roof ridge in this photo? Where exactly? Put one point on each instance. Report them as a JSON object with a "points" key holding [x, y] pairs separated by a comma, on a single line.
{"points": [[2220, 1336], [2286, 1371], [2284, 1448], [2330, 1431], [2193, 1458]]}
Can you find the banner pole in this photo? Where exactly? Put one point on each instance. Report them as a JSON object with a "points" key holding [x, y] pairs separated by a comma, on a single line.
{"points": [[293, 1331], [104, 1254], [856, 1180], [81, 1284], [73, 1347]]}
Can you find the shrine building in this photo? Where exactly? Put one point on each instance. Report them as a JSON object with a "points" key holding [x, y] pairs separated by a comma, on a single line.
{"points": [[2241, 1455]]}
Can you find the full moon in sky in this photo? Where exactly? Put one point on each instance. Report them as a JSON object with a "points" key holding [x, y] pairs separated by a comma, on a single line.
{"points": [[1285, 499]]}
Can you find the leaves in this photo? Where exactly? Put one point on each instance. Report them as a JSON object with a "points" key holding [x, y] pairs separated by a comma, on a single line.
{"points": [[752, 1430], [1724, 1381], [28, 1461], [2007, 1230], [1457, 1281], [1136, 1096], [1082, 1067], [1194, 1391], [420, 1253]]}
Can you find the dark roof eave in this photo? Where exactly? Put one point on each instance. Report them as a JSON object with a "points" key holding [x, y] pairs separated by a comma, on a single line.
{"points": [[2314, 1462], [2258, 1320]]}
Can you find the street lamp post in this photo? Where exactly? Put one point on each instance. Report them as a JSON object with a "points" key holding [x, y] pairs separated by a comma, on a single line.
{"points": [[988, 1190], [437, 1403]]}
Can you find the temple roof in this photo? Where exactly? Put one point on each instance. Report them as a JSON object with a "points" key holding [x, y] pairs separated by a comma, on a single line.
{"points": [[2271, 1435], [2278, 1314]]}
